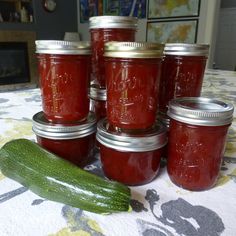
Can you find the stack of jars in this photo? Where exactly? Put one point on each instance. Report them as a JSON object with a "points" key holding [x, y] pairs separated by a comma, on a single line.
{"points": [[183, 68], [131, 141], [65, 126], [105, 29], [197, 126], [132, 84], [128, 72]]}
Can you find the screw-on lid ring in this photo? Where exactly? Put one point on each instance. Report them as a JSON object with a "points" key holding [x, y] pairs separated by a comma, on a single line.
{"points": [[63, 47], [201, 111], [43, 128], [148, 140]]}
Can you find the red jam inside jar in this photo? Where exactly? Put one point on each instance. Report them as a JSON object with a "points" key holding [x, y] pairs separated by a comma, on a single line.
{"points": [[132, 75], [64, 69], [197, 137], [130, 158], [74, 143], [183, 68], [104, 29], [98, 100]]}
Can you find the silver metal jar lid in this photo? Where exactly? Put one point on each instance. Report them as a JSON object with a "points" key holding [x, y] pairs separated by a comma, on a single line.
{"points": [[98, 93], [200, 111], [164, 119], [184, 49], [121, 22], [43, 128], [133, 49], [63, 47], [149, 140]]}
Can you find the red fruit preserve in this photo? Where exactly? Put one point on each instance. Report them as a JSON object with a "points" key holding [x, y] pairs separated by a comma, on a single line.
{"points": [[130, 158], [98, 99], [73, 142], [64, 70], [183, 68], [132, 75], [104, 29], [197, 137]]}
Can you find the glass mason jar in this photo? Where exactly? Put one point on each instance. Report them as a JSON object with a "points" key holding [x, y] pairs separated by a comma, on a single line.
{"points": [[130, 158], [104, 29], [132, 76], [183, 68], [73, 142], [64, 70], [197, 137], [98, 101]]}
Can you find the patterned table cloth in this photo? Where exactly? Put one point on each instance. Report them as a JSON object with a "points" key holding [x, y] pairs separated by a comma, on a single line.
{"points": [[159, 208]]}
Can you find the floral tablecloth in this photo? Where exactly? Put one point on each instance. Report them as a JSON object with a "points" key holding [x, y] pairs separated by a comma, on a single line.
{"points": [[159, 208]]}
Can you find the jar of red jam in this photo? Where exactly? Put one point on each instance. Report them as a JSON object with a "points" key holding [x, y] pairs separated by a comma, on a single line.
{"points": [[104, 29], [197, 137], [132, 76], [64, 70], [73, 142], [98, 99], [183, 68], [130, 158]]}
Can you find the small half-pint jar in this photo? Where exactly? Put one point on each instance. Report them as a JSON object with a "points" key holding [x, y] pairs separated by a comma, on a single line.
{"points": [[197, 138], [104, 29], [73, 142], [132, 74], [64, 71], [98, 101], [130, 158], [182, 72]]}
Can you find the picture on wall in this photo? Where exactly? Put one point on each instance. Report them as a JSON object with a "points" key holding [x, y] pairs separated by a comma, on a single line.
{"points": [[179, 31], [167, 8], [136, 8], [111, 7], [89, 8], [133, 8]]}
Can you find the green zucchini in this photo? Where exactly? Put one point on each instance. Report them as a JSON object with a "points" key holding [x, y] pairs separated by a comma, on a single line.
{"points": [[54, 178]]}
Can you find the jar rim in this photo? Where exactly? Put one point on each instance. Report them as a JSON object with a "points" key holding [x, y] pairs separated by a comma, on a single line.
{"points": [[63, 47], [97, 93], [124, 22], [164, 119], [133, 49], [186, 49], [44, 128], [201, 111], [150, 140]]}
